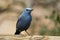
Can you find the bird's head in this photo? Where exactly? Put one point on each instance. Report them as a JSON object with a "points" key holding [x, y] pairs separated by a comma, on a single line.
{"points": [[28, 10]]}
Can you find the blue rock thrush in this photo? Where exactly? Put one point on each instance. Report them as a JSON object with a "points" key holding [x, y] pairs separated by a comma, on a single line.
{"points": [[24, 21]]}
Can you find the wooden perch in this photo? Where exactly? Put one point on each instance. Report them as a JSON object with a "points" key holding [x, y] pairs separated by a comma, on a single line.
{"points": [[34, 37]]}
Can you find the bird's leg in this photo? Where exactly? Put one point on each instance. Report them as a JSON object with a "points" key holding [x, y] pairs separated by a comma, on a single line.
{"points": [[29, 35], [27, 32]]}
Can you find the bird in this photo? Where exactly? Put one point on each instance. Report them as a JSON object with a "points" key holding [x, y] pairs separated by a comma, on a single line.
{"points": [[24, 21]]}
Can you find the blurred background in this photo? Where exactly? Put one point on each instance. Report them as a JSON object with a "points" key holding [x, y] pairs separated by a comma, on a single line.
{"points": [[45, 16]]}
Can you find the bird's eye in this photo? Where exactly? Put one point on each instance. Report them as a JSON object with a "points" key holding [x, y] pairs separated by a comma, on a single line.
{"points": [[27, 10]]}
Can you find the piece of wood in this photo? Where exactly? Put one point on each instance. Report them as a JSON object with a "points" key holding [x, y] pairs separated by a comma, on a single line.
{"points": [[34, 37]]}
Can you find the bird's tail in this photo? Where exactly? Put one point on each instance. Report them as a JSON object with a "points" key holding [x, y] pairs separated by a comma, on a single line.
{"points": [[17, 32]]}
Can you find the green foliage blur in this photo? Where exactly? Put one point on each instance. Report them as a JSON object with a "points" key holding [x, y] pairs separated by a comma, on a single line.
{"points": [[43, 31], [53, 32]]}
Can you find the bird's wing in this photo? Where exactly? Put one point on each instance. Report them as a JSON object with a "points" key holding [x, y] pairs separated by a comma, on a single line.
{"points": [[19, 19], [22, 21]]}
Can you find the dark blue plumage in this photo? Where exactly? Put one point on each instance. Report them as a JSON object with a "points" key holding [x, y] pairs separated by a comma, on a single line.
{"points": [[24, 21]]}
